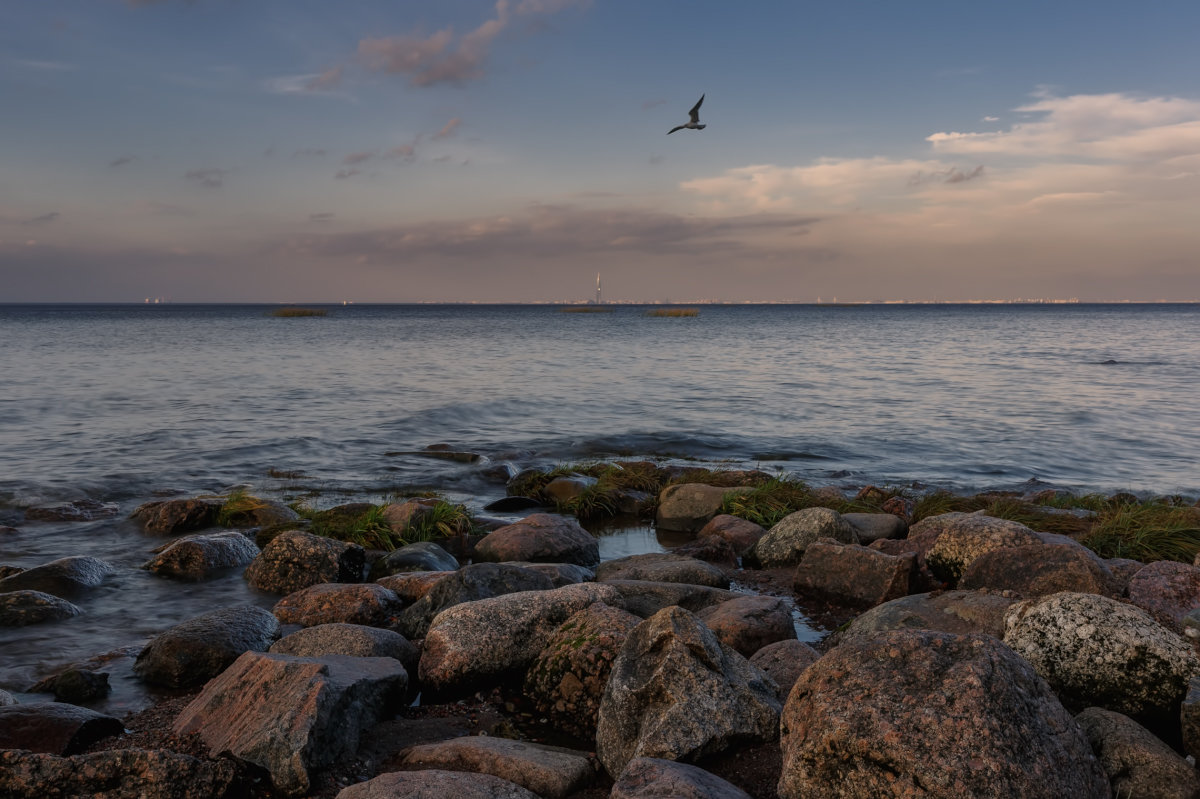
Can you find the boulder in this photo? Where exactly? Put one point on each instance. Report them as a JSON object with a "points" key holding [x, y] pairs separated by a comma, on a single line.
{"points": [[663, 567], [411, 586], [258, 512], [946, 611], [193, 652], [422, 556], [541, 538], [1136, 762], [551, 772], [65, 577], [748, 623], [75, 685], [784, 662], [54, 728], [710, 549], [560, 574], [293, 715], [20, 608], [1167, 590], [1097, 651], [568, 487], [295, 560], [7, 699], [1189, 718], [436, 784], [9, 571], [468, 584], [114, 774], [853, 575], [1039, 570], [81, 510], [740, 533], [198, 557], [655, 778], [567, 679], [352, 640], [329, 603], [920, 713], [785, 542], [966, 536], [874, 526], [676, 692], [688, 507], [487, 639], [513, 504], [900, 506], [1122, 570], [173, 516], [644, 598]]}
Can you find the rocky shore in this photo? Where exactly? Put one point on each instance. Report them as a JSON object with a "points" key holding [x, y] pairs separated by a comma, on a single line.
{"points": [[416, 650]]}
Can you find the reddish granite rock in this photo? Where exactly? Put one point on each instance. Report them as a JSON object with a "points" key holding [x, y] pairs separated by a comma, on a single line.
{"points": [[178, 515], [784, 662], [1039, 570], [748, 623], [356, 640], [1136, 762], [540, 538], [436, 784], [900, 506], [644, 598], [1123, 570], [918, 713], [944, 611], [710, 548], [329, 603], [551, 772], [740, 533], [655, 778], [295, 560], [854, 575], [54, 728], [1167, 590], [411, 586], [114, 774], [1189, 718], [664, 567], [688, 507]]}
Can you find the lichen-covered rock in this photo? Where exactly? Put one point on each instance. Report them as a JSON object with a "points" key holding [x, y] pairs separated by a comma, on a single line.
{"points": [[785, 542], [663, 567], [655, 778], [874, 526], [948, 611], [198, 557], [20, 608], [678, 693], [552, 772], [172, 516], [567, 679], [468, 584], [1039, 570], [295, 560], [353, 640], [421, 556], [748, 623], [80, 510], [114, 774], [688, 507], [1167, 590], [644, 598], [919, 713], [293, 715], [193, 652], [853, 575], [1097, 651], [966, 536], [55, 728], [329, 603], [484, 640], [740, 533], [436, 784], [540, 538], [65, 577], [1136, 762], [784, 662]]}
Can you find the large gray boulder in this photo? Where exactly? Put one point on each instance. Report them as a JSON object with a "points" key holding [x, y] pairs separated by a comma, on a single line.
{"points": [[1097, 651], [20, 608], [874, 526], [295, 560], [421, 556], [172, 516], [353, 640], [664, 567], [655, 778], [330, 603], [552, 772], [468, 584], [948, 611], [688, 507], [918, 713], [748, 623], [293, 715], [678, 693], [540, 538], [785, 542], [482, 641], [65, 577], [55, 728], [114, 774], [1136, 762], [195, 651], [198, 557], [560, 574], [436, 784]]}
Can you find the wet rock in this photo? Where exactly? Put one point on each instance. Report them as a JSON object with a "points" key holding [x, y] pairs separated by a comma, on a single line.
{"points": [[436, 784], [198, 557], [75, 685], [645, 598], [552, 772], [919, 713], [710, 549], [688, 507], [65, 577], [541, 538], [411, 586], [114, 774], [852, 574], [81, 510], [513, 504], [676, 692], [329, 603], [748, 623], [966, 536], [20, 608], [260, 513], [785, 542], [423, 556], [633, 503], [1097, 651], [874, 526], [468, 584], [173, 516], [566, 681], [295, 560], [1136, 762], [352, 640], [655, 778], [784, 662], [403, 516], [1167, 590], [1189, 718], [292, 715], [5, 529], [568, 487], [9, 571], [948, 611], [1039, 570], [54, 728], [663, 567], [199, 649], [484, 640], [560, 574]]}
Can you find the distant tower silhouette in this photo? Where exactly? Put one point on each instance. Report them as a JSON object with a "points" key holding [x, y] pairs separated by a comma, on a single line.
{"points": [[597, 288]]}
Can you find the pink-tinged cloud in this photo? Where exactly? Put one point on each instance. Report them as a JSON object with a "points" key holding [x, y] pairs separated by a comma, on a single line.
{"points": [[447, 130], [405, 152], [357, 158], [343, 174], [210, 177], [326, 81]]}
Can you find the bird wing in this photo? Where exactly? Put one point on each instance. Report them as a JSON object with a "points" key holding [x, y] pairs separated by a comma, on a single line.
{"points": [[695, 112], [677, 127]]}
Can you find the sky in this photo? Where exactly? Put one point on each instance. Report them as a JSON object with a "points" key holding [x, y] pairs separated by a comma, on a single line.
{"points": [[511, 150]]}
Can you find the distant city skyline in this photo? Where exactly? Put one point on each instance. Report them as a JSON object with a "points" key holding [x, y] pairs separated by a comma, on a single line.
{"points": [[511, 150]]}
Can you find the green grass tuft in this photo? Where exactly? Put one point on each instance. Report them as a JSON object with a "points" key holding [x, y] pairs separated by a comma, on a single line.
{"points": [[1147, 532], [444, 520], [237, 509]]}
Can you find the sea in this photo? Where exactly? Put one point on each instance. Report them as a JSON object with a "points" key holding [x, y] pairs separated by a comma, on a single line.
{"points": [[128, 403]]}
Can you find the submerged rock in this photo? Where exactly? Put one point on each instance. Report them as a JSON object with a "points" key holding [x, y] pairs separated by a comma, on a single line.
{"points": [[193, 652], [65, 577], [172, 516], [114, 774], [75, 685], [20, 608], [197, 557], [80, 510]]}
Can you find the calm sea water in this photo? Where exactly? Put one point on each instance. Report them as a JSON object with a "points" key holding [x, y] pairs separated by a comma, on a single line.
{"points": [[120, 403]]}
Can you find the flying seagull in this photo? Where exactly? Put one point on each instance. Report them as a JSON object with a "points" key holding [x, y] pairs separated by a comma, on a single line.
{"points": [[694, 122]]}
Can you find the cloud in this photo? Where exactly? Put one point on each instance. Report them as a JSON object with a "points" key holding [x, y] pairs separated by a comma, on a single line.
{"points": [[122, 161], [405, 152], [211, 177], [343, 174], [357, 158], [329, 79], [44, 219], [991, 119], [319, 83], [951, 175], [447, 130]]}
